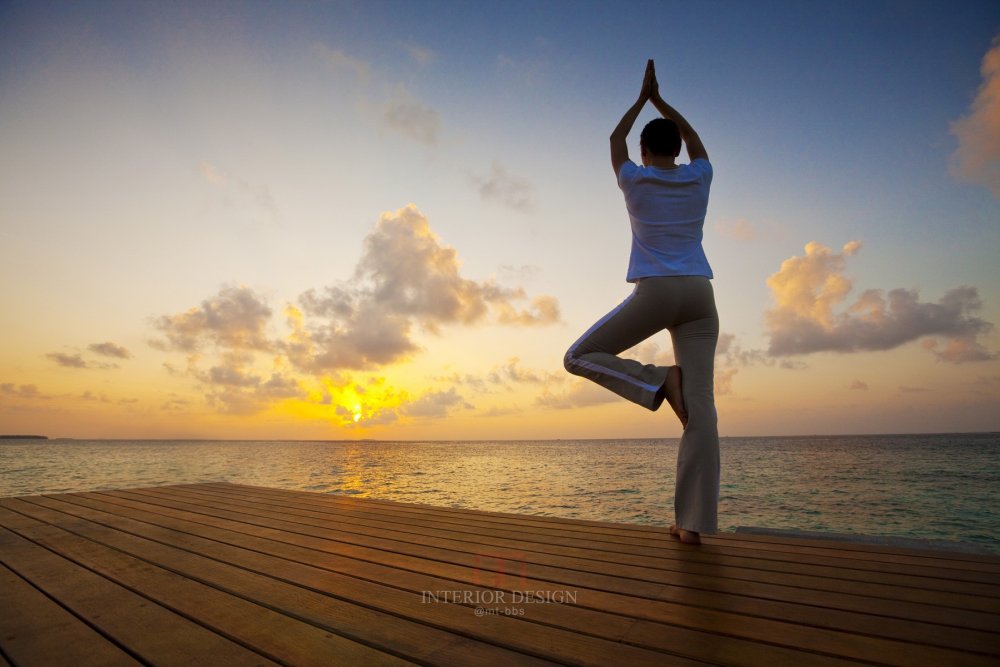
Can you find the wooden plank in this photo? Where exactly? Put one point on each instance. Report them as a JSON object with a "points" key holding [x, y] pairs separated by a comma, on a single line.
{"points": [[930, 551], [455, 518], [458, 511], [618, 532], [612, 626], [263, 630], [152, 634], [813, 613], [942, 568], [689, 561], [201, 562], [812, 638], [921, 566], [539, 639], [280, 551], [580, 566], [647, 531], [30, 621]]}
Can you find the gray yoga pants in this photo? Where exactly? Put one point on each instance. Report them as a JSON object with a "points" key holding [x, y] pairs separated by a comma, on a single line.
{"points": [[685, 306]]}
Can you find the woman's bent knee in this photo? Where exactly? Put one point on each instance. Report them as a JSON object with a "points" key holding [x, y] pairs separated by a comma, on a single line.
{"points": [[569, 362]]}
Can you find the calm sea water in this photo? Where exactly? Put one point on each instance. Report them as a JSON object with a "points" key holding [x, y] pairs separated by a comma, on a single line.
{"points": [[943, 487]]}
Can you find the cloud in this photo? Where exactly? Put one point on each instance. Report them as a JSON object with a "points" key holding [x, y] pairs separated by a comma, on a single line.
{"points": [[67, 360], [340, 61], [374, 417], [730, 353], [375, 403], [807, 317], [496, 411], [723, 380], [730, 358], [110, 349], [477, 384], [745, 231], [237, 193], [512, 191], [581, 394], [649, 352], [419, 54], [31, 392], [741, 230], [212, 174], [232, 371], [261, 197], [21, 391], [810, 286], [405, 281], [977, 158], [527, 71], [544, 310], [436, 404], [511, 371], [175, 404], [253, 395], [525, 272], [859, 385], [234, 386], [411, 118], [77, 361], [958, 350], [234, 318], [410, 273]]}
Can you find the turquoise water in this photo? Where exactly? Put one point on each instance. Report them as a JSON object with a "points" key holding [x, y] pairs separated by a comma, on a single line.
{"points": [[943, 487]]}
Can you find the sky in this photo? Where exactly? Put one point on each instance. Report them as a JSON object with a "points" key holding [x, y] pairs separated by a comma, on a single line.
{"points": [[389, 220]]}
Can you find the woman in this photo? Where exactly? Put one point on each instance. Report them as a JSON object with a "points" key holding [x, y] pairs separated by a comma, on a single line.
{"points": [[666, 203]]}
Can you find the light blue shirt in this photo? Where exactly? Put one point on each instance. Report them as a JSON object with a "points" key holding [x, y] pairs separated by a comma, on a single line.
{"points": [[666, 208]]}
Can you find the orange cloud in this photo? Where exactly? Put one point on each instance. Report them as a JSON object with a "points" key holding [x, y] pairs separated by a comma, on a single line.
{"points": [[977, 158], [110, 349], [809, 293], [405, 278], [234, 318], [405, 281], [22, 391]]}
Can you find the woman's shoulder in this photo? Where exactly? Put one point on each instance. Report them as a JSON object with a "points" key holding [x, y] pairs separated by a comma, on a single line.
{"points": [[699, 169], [701, 165]]}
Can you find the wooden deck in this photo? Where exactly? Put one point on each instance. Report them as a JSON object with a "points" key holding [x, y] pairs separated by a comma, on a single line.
{"points": [[222, 574]]}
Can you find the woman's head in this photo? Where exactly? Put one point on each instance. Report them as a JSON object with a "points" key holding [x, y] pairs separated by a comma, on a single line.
{"points": [[661, 137]]}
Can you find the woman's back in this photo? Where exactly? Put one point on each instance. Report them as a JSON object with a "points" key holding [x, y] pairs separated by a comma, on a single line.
{"points": [[666, 208]]}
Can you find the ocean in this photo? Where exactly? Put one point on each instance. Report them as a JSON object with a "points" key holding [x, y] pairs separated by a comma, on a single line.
{"points": [[939, 487]]}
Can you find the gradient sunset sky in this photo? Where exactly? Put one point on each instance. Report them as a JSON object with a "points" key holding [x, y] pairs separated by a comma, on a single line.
{"points": [[390, 220]]}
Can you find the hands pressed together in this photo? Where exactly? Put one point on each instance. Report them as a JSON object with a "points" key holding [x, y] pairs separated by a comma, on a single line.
{"points": [[650, 87], [650, 92]]}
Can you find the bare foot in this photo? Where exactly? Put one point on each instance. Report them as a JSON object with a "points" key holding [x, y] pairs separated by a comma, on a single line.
{"points": [[674, 395], [685, 536]]}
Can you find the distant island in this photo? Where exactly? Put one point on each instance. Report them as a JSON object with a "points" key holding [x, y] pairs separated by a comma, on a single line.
{"points": [[24, 437]]}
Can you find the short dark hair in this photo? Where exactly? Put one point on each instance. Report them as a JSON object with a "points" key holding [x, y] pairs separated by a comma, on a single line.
{"points": [[661, 137]]}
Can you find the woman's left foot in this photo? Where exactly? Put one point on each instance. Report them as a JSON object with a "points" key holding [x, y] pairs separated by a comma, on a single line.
{"points": [[685, 536], [675, 396]]}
